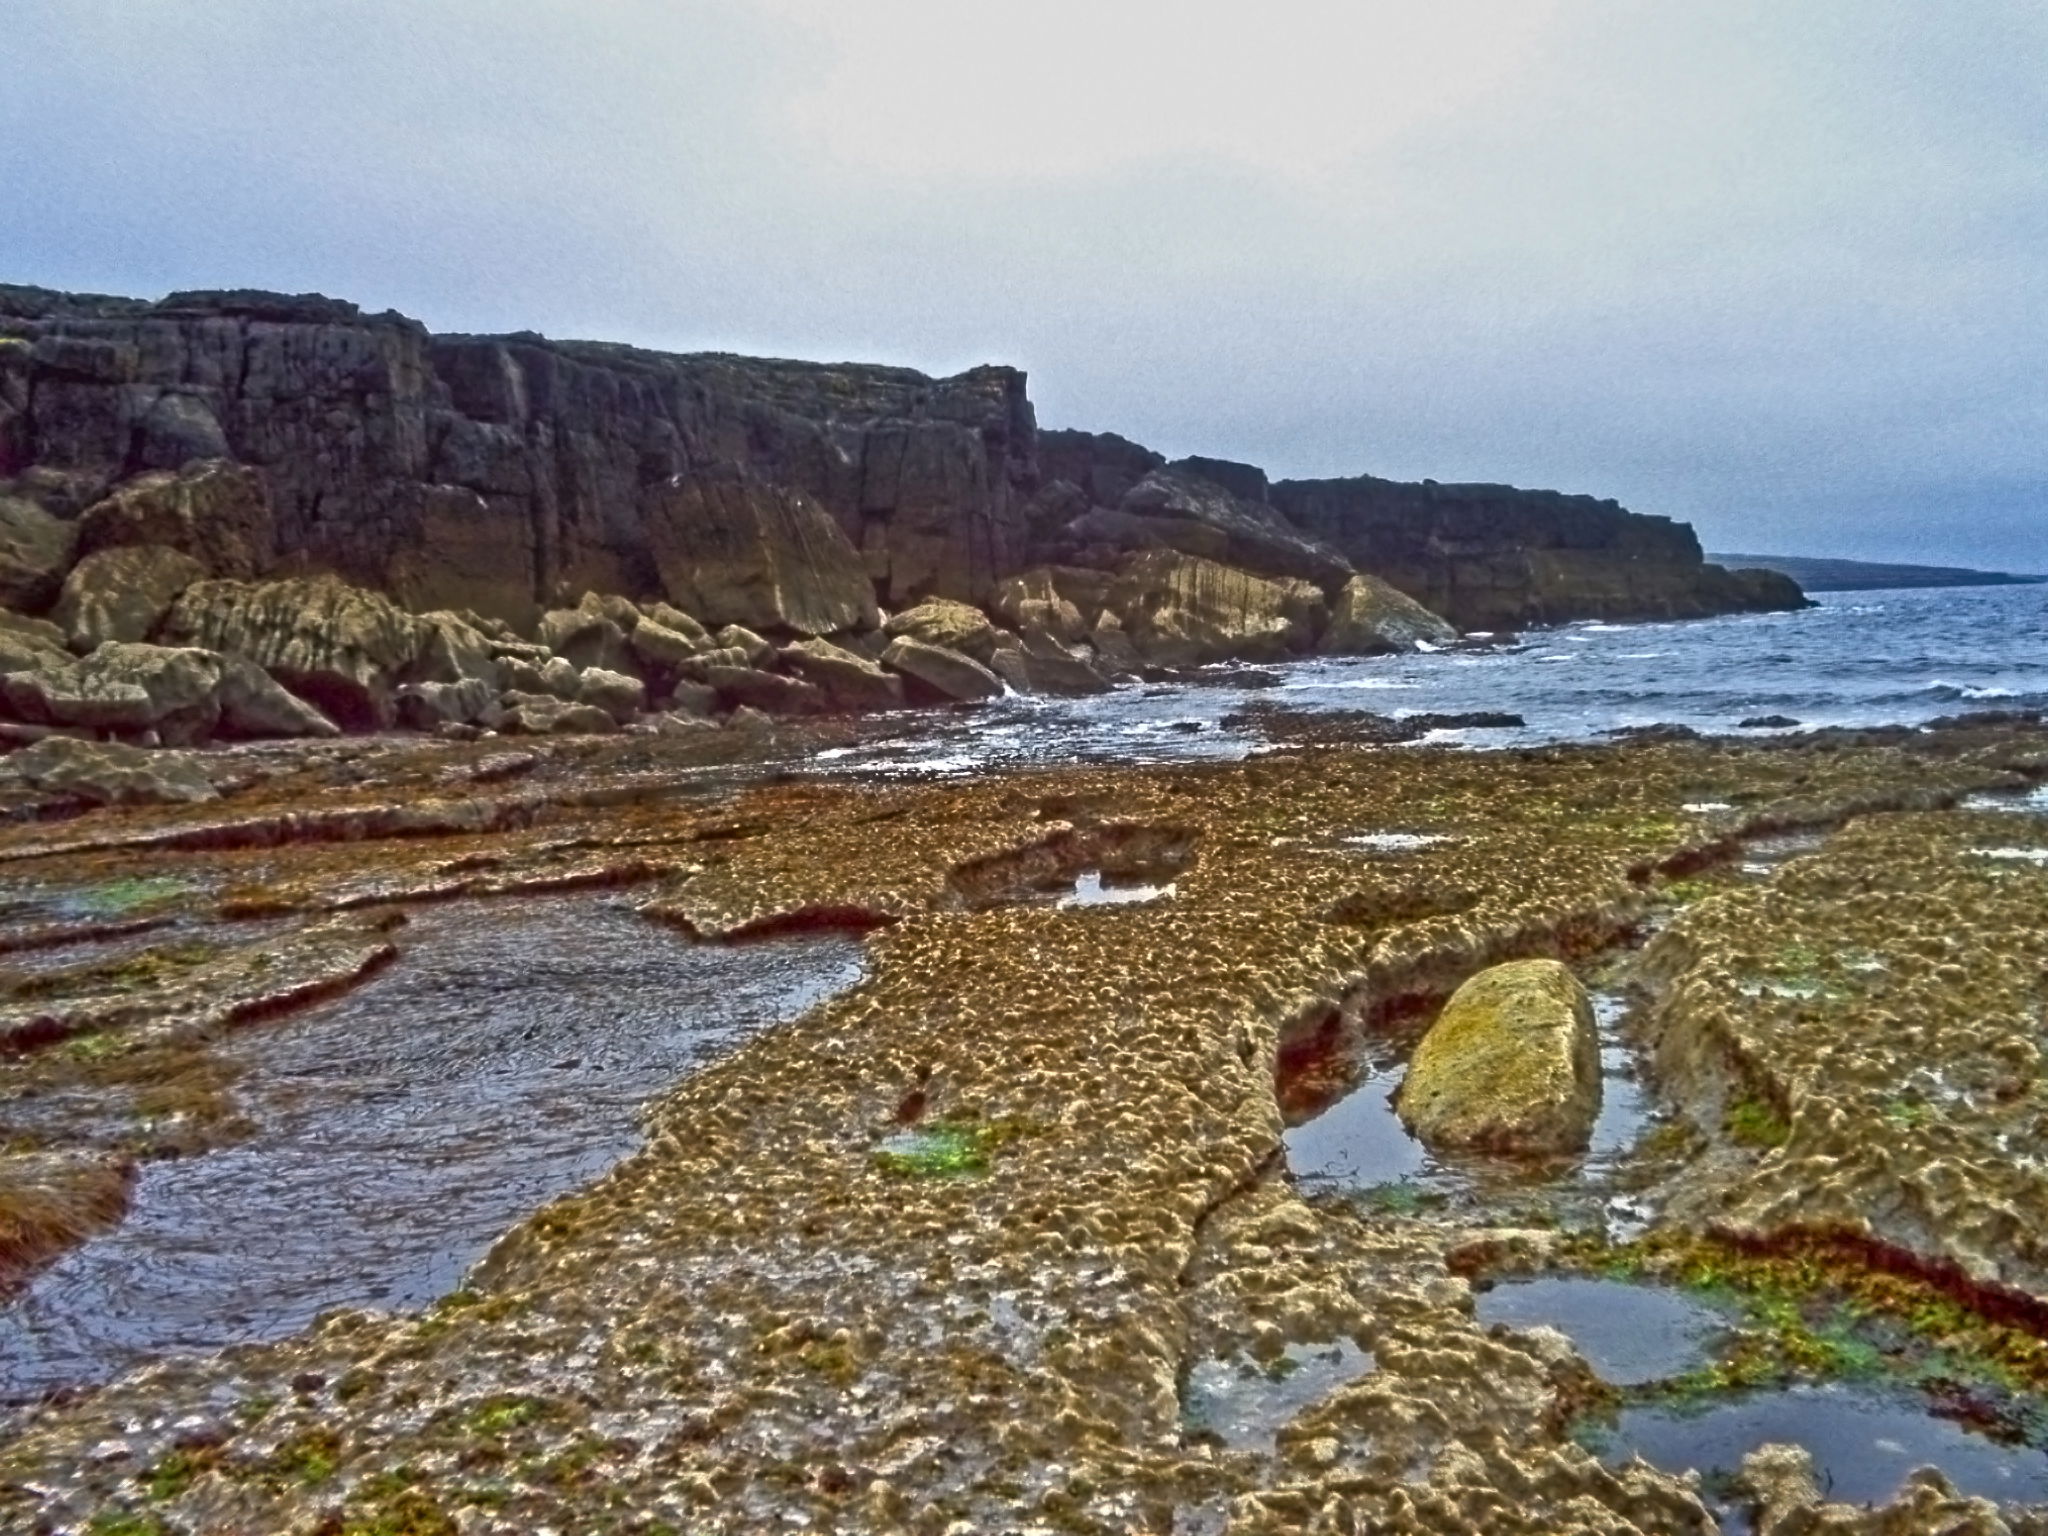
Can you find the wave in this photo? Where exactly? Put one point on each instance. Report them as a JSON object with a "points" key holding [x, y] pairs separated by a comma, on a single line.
{"points": [[1944, 690]]}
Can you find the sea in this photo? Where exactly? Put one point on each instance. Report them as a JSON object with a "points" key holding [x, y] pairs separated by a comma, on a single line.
{"points": [[1853, 659]]}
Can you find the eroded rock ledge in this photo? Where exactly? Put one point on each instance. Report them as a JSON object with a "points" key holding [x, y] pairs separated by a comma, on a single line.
{"points": [[779, 1313]]}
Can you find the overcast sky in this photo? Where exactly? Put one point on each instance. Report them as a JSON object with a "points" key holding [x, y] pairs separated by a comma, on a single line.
{"points": [[1779, 267]]}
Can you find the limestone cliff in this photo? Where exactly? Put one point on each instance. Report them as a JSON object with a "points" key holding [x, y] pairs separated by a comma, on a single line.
{"points": [[1493, 557], [503, 473]]}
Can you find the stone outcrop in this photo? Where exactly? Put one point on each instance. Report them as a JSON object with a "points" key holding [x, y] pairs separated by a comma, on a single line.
{"points": [[940, 674], [35, 551], [105, 773], [1369, 618], [122, 593], [956, 626], [848, 680], [732, 548], [1172, 509], [502, 474], [1491, 557], [341, 648], [1512, 1064], [215, 512], [1180, 610], [180, 695]]}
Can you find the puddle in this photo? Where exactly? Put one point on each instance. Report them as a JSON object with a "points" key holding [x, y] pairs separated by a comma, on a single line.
{"points": [[1629, 1334], [1245, 1404], [1357, 1143], [2024, 801], [2025, 855], [1706, 807], [1093, 889], [1864, 1442], [1397, 842], [1763, 855], [503, 1062]]}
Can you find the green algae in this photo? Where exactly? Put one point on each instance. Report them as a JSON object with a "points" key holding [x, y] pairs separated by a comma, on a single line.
{"points": [[1817, 1310], [943, 1149], [1755, 1122], [130, 894]]}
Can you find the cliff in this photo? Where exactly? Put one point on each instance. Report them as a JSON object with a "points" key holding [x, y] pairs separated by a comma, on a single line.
{"points": [[1493, 557], [508, 475], [503, 474]]}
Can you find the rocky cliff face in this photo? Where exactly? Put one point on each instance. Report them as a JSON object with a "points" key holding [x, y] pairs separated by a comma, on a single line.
{"points": [[507, 475], [1495, 557], [502, 474]]}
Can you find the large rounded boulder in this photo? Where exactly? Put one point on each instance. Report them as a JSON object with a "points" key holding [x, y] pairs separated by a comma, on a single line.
{"points": [[1512, 1064]]}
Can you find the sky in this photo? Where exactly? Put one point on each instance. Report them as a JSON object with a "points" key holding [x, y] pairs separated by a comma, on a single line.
{"points": [[1780, 270]]}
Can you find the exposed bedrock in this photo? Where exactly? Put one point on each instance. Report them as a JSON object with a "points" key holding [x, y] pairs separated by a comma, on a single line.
{"points": [[1495, 557]]}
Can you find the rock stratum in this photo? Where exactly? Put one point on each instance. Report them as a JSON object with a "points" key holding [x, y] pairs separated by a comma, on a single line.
{"points": [[175, 472]]}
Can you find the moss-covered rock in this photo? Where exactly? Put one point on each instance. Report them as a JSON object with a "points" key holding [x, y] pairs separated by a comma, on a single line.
{"points": [[1511, 1065]]}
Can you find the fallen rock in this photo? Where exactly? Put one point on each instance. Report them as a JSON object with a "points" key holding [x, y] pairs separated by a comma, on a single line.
{"points": [[849, 681], [615, 693], [35, 552], [105, 773], [253, 703], [123, 687], [1180, 610], [659, 646], [1370, 618], [1768, 723], [1040, 664], [122, 593], [1033, 599], [1175, 509], [941, 673], [1512, 1064], [768, 692], [535, 715], [735, 549], [942, 622], [758, 651], [26, 644], [341, 648], [587, 635], [217, 512], [429, 706]]}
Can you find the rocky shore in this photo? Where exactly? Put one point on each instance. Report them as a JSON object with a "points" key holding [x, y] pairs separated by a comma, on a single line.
{"points": [[246, 515], [1006, 1236]]}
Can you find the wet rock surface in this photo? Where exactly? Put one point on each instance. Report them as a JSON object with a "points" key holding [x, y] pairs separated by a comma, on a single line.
{"points": [[964, 1246]]}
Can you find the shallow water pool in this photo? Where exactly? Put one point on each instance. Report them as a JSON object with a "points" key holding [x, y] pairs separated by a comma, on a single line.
{"points": [[502, 1062]]}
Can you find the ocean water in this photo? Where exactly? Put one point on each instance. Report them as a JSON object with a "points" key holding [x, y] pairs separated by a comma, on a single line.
{"points": [[1858, 658]]}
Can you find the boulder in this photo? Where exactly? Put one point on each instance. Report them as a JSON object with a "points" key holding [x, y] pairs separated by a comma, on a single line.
{"points": [[174, 691], [341, 648], [35, 552], [1173, 509], [26, 644], [670, 617], [122, 593], [535, 715], [560, 678], [216, 512], [1180, 610], [1032, 599], [1115, 656], [939, 673], [429, 706], [253, 703], [615, 693], [661, 647], [768, 692], [105, 773], [737, 637], [454, 649], [1040, 664], [1512, 1064], [735, 549], [849, 681], [587, 636], [698, 668], [1370, 618], [942, 622]]}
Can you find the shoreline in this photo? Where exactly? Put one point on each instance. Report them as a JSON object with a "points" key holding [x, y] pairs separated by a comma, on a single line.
{"points": [[758, 1314]]}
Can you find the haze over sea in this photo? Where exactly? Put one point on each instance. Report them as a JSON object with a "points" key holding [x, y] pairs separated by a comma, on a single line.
{"points": [[1854, 659]]}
